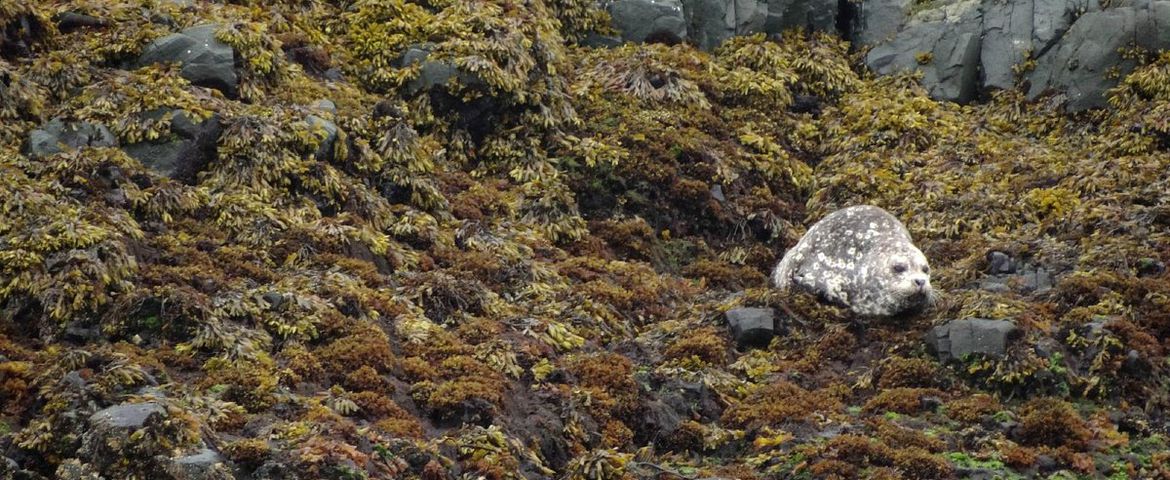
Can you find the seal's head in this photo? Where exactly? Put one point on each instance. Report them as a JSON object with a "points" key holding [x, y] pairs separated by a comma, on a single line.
{"points": [[905, 279]]}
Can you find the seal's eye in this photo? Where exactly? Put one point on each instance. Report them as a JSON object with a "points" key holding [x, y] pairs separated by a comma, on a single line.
{"points": [[899, 268], [925, 269]]}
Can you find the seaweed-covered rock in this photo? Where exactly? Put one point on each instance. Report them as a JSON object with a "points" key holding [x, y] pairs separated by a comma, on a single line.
{"points": [[329, 129], [958, 338], [432, 73], [205, 60], [639, 19], [752, 327], [183, 154], [132, 438], [58, 135]]}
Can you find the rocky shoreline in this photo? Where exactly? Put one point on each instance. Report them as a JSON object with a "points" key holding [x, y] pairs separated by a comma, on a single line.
{"points": [[493, 239]]}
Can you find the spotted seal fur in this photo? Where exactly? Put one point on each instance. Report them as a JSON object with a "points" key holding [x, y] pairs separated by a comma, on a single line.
{"points": [[859, 257]]}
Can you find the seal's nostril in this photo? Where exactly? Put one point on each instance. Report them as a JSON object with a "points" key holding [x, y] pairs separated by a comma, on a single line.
{"points": [[920, 281]]}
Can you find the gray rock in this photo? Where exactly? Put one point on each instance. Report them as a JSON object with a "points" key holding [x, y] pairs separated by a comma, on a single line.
{"points": [[1000, 263], [958, 338], [204, 465], [432, 73], [205, 61], [689, 399], [638, 19], [274, 299], [751, 327], [183, 154], [1050, 20], [879, 20], [711, 22], [1007, 40], [1036, 280], [328, 141], [128, 416], [717, 193], [1084, 62], [944, 46], [58, 136], [997, 284], [975, 45], [326, 105], [810, 14], [595, 40], [68, 22], [660, 421]]}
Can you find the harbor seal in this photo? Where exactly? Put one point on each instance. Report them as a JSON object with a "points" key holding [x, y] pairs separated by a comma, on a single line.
{"points": [[859, 257]]}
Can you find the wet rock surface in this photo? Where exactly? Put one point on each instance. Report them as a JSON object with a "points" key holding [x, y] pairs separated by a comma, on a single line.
{"points": [[1051, 46], [639, 19], [752, 327], [958, 338], [528, 277], [59, 135], [205, 60], [191, 145]]}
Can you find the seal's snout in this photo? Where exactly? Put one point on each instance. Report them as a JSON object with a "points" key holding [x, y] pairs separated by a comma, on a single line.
{"points": [[920, 282]]}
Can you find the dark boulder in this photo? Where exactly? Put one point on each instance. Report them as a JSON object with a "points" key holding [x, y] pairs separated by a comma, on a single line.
{"points": [[638, 19], [68, 22], [958, 338], [711, 22], [58, 136], [205, 60], [1000, 263], [751, 327], [189, 148]]}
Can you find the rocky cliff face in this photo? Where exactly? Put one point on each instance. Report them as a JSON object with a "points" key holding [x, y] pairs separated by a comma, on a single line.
{"points": [[963, 48]]}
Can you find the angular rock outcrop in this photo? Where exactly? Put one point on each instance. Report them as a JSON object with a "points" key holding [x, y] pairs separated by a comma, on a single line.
{"points": [[877, 21], [958, 338], [966, 47], [205, 60], [751, 327], [1085, 62], [943, 44], [709, 23], [639, 19]]}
